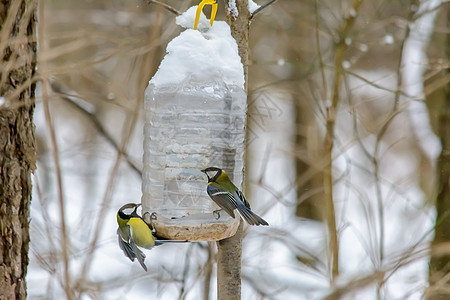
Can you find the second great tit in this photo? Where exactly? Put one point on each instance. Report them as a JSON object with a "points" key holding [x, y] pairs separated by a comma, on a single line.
{"points": [[133, 232], [228, 197]]}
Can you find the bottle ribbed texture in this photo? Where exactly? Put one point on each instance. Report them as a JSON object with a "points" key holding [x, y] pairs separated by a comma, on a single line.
{"points": [[188, 127]]}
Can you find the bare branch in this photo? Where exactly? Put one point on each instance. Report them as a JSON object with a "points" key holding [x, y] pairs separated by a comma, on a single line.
{"points": [[257, 11], [357, 283], [339, 57], [127, 131], [98, 125], [56, 160], [166, 6]]}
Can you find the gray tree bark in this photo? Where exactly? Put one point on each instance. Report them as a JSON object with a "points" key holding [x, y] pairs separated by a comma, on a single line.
{"points": [[17, 141]]}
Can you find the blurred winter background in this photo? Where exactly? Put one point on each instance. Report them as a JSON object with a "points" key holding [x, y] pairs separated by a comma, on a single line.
{"points": [[379, 63]]}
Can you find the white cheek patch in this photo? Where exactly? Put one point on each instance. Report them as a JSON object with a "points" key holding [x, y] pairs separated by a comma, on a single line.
{"points": [[128, 211], [211, 174]]}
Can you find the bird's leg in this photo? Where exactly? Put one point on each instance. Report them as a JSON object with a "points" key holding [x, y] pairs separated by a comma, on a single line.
{"points": [[216, 213], [153, 217]]}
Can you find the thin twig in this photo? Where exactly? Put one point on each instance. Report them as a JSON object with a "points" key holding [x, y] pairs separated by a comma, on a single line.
{"points": [[319, 50], [166, 6], [47, 223], [380, 87], [355, 284], [339, 57], [208, 270], [185, 272], [56, 160], [128, 129], [98, 125], [259, 9], [265, 162], [82, 280], [383, 130]]}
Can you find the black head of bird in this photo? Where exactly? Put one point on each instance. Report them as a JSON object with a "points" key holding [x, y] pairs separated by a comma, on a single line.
{"points": [[212, 173]]}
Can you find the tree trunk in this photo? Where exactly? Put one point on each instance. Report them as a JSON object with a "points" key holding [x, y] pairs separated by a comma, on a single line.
{"points": [[17, 142], [229, 251], [440, 260]]}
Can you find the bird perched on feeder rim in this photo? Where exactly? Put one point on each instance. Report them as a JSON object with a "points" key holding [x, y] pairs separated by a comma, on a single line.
{"points": [[133, 232], [213, 4], [228, 197]]}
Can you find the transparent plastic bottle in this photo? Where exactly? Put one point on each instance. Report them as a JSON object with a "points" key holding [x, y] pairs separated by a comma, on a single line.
{"points": [[188, 127]]}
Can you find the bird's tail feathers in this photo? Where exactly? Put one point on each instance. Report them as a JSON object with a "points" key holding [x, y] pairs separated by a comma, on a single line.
{"points": [[250, 217], [127, 250], [140, 257], [139, 254]]}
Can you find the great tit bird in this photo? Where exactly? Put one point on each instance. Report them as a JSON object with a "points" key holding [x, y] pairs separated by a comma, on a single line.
{"points": [[228, 197], [134, 232]]}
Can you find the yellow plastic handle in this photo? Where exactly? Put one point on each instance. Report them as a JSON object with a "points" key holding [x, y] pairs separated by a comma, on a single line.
{"points": [[213, 3], [213, 13]]}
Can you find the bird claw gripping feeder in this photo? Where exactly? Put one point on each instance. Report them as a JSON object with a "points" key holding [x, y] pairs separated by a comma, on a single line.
{"points": [[195, 112]]}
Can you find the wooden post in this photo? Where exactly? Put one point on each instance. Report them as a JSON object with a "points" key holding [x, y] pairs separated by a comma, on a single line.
{"points": [[230, 249]]}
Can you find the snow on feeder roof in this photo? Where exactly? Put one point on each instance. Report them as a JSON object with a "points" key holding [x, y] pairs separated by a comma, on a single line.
{"points": [[209, 52]]}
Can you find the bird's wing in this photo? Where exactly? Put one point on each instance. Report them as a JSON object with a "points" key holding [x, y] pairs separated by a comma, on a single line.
{"points": [[126, 248], [139, 254], [222, 198], [244, 210], [250, 217], [241, 196]]}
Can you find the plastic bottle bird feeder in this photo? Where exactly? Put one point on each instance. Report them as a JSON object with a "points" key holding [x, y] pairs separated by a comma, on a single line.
{"points": [[195, 112]]}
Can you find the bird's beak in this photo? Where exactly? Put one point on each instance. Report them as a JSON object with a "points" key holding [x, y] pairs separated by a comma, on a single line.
{"points": [[204, 171]]}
